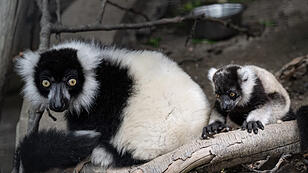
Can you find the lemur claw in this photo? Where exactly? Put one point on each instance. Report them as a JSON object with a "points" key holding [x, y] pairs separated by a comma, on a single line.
{"points": [[214, 128], [252, 126]]}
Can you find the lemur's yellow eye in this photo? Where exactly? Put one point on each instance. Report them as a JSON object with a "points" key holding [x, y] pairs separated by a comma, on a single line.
{"points": [[72, 82], [217, 95], [45, 83], [232, 94]]}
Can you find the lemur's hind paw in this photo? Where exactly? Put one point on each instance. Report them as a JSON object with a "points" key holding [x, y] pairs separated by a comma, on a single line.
{"points": [[214, 128], [252, 126]]}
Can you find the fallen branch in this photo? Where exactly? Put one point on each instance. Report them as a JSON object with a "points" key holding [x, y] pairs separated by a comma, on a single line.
{"points": [[282, 160], [296, 65], [223, 151]]}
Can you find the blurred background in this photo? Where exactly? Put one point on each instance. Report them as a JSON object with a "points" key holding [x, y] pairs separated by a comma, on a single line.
{"points": [[276, 32]]}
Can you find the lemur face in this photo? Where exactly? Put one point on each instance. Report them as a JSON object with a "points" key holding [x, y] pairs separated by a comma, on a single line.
{"points": [[59, 78], [227, 87]]}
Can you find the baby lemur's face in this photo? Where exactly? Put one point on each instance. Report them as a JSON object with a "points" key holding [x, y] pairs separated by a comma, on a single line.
{"points": [[227, 88]]}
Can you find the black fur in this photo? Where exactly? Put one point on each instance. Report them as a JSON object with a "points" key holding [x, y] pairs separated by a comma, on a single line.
{"points": [[289, 116], [214, 128], [105, 114], [239, 113], [252, 126], [223, 83], [48, 149], [56, 66], [258, 98], [302, 122]]}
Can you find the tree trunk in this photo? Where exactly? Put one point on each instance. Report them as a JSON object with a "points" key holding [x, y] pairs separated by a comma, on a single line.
{"points": [[18, 30]]}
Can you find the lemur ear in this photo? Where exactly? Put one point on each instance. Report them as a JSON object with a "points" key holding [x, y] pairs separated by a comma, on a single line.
{"points": [[211, 73], [25, 63]]}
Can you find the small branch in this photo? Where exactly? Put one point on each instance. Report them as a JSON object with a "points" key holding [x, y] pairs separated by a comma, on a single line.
{"points": [[34, 119], [45, 24], [275, 169], [192, 32], [260, 163], [131, 10], [229, 24], [164, 21], [190, 60], [100, 15], [58, 12], [281, 160], [101, 27]]}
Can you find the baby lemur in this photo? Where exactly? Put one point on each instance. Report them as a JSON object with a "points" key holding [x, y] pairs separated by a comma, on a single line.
{"points": [[249, 96]]}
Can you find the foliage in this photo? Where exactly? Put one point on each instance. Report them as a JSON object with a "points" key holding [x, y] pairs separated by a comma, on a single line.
{"points": [[268, 23], [154, 42], [187, 7]]}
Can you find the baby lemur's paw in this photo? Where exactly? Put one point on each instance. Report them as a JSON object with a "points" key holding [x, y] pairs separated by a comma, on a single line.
{"points": [[214, 128], [252, 126]]}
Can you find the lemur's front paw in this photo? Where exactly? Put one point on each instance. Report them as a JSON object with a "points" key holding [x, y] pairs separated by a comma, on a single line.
{"points": [[101, 157], [214, 128], [252, 126]]}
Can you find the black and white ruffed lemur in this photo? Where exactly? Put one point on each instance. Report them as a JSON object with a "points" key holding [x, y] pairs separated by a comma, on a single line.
{"points": [[123, 107], [248, 96], [251, 97]]}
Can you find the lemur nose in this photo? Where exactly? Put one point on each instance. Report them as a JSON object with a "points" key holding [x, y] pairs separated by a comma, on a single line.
{"points": [[59, 106]]}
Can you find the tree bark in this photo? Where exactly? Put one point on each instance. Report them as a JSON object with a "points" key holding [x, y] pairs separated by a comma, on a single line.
{"points": [[18, 22], [223, 151]]}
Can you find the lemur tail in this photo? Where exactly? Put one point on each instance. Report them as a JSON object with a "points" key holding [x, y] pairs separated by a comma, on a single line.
{"points": [[302, 123], [52, 148], [289, 116]]}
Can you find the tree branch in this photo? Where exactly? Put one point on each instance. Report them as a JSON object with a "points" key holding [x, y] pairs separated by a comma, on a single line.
{"points": [[101, 27], [100, 15], [164, 21], [288, 70], [131, 10], [58, 11], [224, 150]]}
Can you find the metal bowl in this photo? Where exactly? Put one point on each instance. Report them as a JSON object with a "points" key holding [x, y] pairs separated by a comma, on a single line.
{"points": [[212, 30]]}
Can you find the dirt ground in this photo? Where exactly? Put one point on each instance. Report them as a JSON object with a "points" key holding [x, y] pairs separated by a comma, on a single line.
{"points": [[286, 38]]}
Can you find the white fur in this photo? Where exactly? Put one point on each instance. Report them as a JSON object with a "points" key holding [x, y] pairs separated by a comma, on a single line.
{"points": [[90, 133], [167, 110], [211, 73], [263, 114], [271, 85], [248, 81], [215, 116], [25, 66], [101, 157]]}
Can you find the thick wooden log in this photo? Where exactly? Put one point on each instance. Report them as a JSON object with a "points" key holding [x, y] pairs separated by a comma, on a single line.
{"points": [[223, 151]]}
